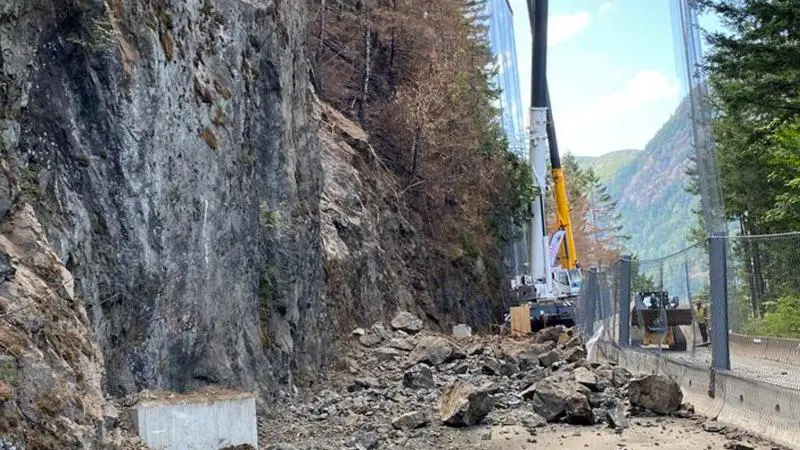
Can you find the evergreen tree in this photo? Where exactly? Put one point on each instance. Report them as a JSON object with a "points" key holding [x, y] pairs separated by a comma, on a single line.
{"points": [[754, 75]]}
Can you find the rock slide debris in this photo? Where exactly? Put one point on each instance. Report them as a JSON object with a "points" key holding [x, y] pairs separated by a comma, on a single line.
{"points": [[406, 387]]}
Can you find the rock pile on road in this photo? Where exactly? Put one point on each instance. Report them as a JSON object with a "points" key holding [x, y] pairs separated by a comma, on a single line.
{"points": [[403, 383]]}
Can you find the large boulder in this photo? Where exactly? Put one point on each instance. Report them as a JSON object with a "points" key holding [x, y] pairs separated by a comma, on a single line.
{"points": [[550, 334], [527, 355], [464, 405], [657, 393], [387, 353], [544, 347], [419, 377], [532, 377], [407, 322], [496, 367], [367, 440], [370, 340], [549, 358], [578, 410], [402, 344], [550, 398], [527, 360], [605, 372], [574, 354], [616, 418], [376, 334], [434, 350], [410, 421], [585, 377], [621, 376], [575, 341]]}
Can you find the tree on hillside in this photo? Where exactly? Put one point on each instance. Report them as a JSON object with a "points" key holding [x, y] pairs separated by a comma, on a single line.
{"points": [[416, 75], [597, 227], [754, 74], [640, 282]]}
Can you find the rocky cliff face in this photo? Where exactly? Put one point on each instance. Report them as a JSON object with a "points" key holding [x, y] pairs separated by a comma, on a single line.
{"points": [[168, 150], [174, 156], [376, 260], [50, 369]]}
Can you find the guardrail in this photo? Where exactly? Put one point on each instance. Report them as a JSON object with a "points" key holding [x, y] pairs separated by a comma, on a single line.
{"points": [[775, 349], [751, 382], [768, 410]]}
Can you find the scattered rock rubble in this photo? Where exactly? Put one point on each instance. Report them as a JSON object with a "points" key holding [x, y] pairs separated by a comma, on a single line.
{"points": [[408, 388]]}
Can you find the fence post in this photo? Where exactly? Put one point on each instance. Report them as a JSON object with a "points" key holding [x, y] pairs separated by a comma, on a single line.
{"points": [[591, 302], [720, 354], [624, 301]]}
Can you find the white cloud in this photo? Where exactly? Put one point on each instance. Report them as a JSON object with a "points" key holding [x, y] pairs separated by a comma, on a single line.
{"points": [[562, 27], [608, 7], [593, 57], [627, 118], [645, 87]]}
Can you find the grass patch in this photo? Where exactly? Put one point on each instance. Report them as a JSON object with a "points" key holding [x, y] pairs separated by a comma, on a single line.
{"points": [[267, 296], [270, 219]]}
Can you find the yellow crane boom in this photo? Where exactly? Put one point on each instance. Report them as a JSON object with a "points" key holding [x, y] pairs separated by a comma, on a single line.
{"points": [[569, 255]]}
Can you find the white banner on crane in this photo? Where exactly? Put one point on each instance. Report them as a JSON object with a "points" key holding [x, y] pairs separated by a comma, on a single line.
{"points": [[555, 243]]}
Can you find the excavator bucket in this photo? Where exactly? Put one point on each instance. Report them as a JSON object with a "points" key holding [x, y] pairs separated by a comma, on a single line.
{"points": [[658, 321]]}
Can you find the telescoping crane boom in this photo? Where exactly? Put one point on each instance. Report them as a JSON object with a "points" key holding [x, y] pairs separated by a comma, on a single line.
{"points": [[548, 288]]}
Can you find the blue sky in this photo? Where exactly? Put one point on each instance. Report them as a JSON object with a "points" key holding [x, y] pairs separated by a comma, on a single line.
{"points": [[611, 69]]}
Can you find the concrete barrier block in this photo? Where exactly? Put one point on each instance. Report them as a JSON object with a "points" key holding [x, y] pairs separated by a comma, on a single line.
{"points": [[194, 422], [462, 331], [785, 351], [771, 410]]}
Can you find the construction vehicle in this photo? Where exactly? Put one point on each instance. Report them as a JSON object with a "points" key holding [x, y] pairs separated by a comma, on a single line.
{"points": [[657, 321], [551, 286]]}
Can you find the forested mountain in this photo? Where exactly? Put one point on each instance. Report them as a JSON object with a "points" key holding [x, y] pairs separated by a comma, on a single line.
{"points": [[607, 165], [754, 73], [754, 77], [649, 187]]}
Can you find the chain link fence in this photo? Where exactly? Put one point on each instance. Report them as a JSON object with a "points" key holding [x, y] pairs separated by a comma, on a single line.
{"points": [[722, 317], [660, 314], [763, 286], [664, 306]]}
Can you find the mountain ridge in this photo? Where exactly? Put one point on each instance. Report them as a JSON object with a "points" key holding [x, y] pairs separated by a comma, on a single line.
{"points": [[649, 187]]}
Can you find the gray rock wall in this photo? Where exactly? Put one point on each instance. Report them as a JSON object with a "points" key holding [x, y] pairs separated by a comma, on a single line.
{"points": [[168, 150], [172, 151]]}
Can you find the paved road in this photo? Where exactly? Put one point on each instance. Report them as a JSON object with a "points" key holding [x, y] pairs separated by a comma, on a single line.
{"points": [[747, 364], [779, 366]]}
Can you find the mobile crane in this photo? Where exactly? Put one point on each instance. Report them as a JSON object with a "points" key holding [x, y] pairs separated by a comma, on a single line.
{"points": [[549, 289]]}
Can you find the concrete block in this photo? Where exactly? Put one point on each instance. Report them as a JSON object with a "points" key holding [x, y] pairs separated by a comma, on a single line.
{"points": [[462, 331], [197, 421]]}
